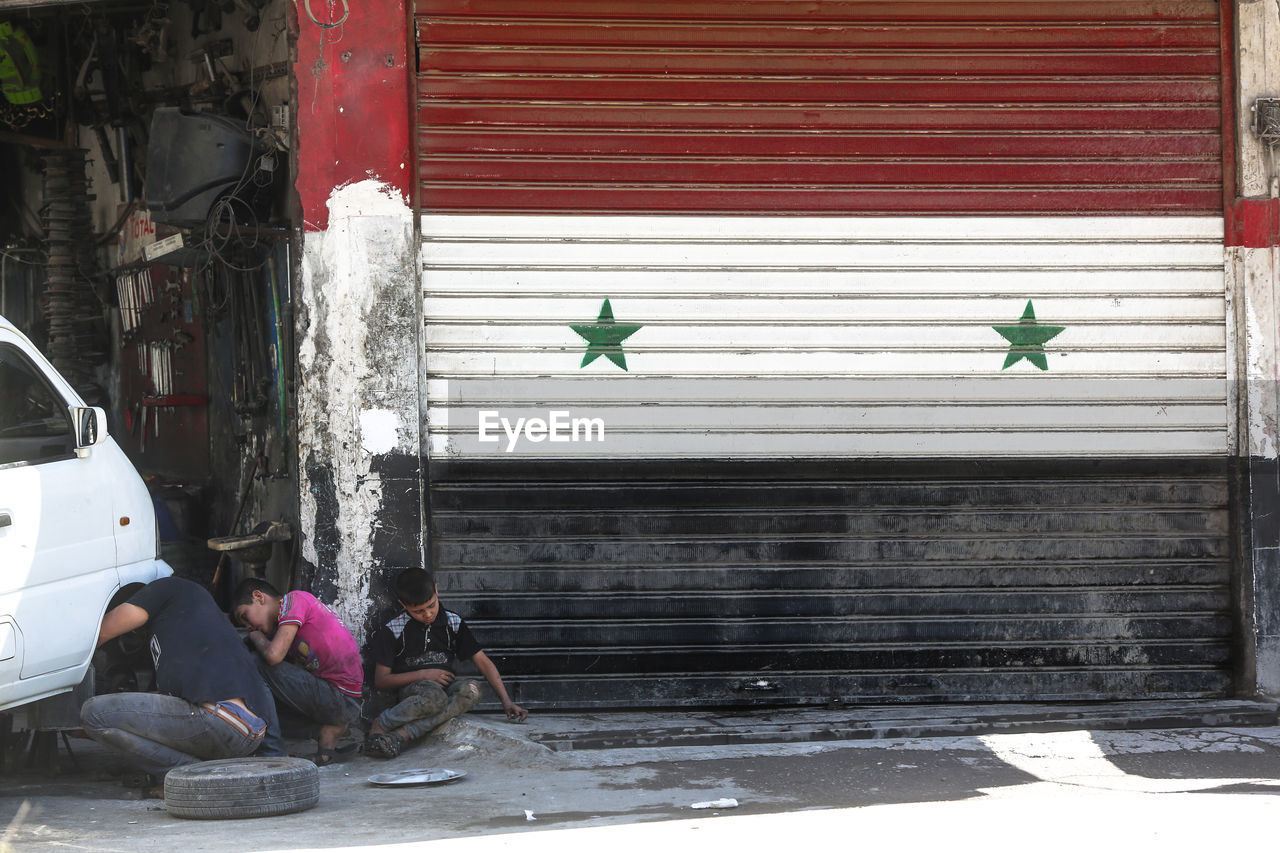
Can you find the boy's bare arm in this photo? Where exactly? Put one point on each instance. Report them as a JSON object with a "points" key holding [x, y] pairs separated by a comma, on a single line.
{"points": [[121, 619], [274, 649], [490, 673], [385, 679]]}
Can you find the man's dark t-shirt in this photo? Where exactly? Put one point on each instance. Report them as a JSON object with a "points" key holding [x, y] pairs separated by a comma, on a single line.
{"points": [[405, 644], [198, 655]]}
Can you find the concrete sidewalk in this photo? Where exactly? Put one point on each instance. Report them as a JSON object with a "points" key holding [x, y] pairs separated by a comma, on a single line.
{"points": [[1068, 778]]}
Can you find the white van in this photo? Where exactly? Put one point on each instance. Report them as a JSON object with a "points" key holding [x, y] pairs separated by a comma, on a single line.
{"points": [[77, 526]]}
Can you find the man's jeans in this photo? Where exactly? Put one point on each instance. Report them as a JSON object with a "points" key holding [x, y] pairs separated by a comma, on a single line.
{"points": [[158, 732], [424, 705], [312, 697]]}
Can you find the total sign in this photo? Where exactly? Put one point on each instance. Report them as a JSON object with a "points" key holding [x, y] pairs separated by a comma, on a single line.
{"points": [[138, 233]]}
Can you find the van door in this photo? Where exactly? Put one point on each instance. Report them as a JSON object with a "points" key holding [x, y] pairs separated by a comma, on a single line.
{"points": [[57, 546]]}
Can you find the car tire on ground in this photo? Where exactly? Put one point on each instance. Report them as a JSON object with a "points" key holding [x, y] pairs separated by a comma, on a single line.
{"points": [[242, 787]]}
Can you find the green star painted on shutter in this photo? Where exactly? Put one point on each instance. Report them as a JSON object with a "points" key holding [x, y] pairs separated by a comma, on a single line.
{"points": [[604, 337], [1027, 339]]}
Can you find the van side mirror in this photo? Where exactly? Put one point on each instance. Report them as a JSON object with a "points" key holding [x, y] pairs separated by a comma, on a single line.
{"points": [[91, 427]]}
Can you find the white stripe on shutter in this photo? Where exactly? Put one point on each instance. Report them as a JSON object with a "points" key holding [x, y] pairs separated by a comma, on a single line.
{"points": [[780, 336]]}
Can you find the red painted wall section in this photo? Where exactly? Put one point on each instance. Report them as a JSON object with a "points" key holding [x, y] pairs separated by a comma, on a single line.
{"points": [[354, 100], [1253, 223]]}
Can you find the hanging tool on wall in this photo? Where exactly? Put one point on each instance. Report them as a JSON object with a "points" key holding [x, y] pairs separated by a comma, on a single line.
{"points": [[107, 111], [278, 355], [255, 463]]}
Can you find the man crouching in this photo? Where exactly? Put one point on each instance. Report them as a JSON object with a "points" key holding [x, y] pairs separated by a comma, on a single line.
{"points": [[212, 702]]}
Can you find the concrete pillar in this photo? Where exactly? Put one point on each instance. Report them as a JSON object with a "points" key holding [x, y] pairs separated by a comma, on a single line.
{"points": [[1252, 281], [358, 310]]}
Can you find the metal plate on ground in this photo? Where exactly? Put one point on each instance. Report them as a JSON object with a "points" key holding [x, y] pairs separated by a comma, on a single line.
{"points": [[420, 776]]}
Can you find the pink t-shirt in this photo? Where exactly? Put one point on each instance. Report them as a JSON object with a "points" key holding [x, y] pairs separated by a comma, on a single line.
{"points": [[323, 645]]}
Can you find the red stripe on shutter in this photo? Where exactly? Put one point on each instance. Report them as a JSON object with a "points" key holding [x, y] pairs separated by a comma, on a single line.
{"points": [[834, 11], [826, 107]]}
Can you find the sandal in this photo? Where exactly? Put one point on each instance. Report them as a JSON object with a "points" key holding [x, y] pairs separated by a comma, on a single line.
{"points": [[321, 757], [382, 745], [139, 779]]}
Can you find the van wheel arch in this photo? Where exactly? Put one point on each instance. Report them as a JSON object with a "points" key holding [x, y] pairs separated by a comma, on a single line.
{"points": [[123, 663], [123, 594]]}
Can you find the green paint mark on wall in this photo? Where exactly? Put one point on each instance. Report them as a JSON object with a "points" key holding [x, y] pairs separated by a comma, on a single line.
{"points": [[1027, 339], [604, 337]]}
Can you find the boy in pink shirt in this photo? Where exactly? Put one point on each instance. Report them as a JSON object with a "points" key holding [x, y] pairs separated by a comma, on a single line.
{"points": [[307, 657]]}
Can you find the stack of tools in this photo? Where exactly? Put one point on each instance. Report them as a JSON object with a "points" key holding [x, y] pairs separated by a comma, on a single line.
{"points": [[71, 305]]}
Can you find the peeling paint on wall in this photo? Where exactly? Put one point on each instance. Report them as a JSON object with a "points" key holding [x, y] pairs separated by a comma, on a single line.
{"points": [[1259, 369], [357, 390]]}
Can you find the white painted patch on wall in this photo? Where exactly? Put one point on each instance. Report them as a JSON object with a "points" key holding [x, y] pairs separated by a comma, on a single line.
{"points": [[366, 198], [349, 273], [379, 430]]}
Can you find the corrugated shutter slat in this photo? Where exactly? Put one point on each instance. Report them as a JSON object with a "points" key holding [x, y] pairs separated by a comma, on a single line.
{"points": [[994, 107]]}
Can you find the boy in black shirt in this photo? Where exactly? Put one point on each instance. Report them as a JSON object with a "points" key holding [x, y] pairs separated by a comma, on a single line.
{"points": [[212, 701], [415, 653]]}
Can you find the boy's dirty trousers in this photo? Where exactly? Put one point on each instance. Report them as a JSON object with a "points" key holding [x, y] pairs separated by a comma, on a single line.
{"points": [[159, 732], [424, 705], [312, 697]]}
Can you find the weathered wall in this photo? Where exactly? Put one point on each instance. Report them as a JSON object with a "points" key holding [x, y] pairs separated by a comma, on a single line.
{"points": [[1252, 273], [357, 397], [358, 313]]}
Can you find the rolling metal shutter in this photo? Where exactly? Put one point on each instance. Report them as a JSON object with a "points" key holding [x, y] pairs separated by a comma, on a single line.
{"points": [[835, 465], [632, 586]]}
